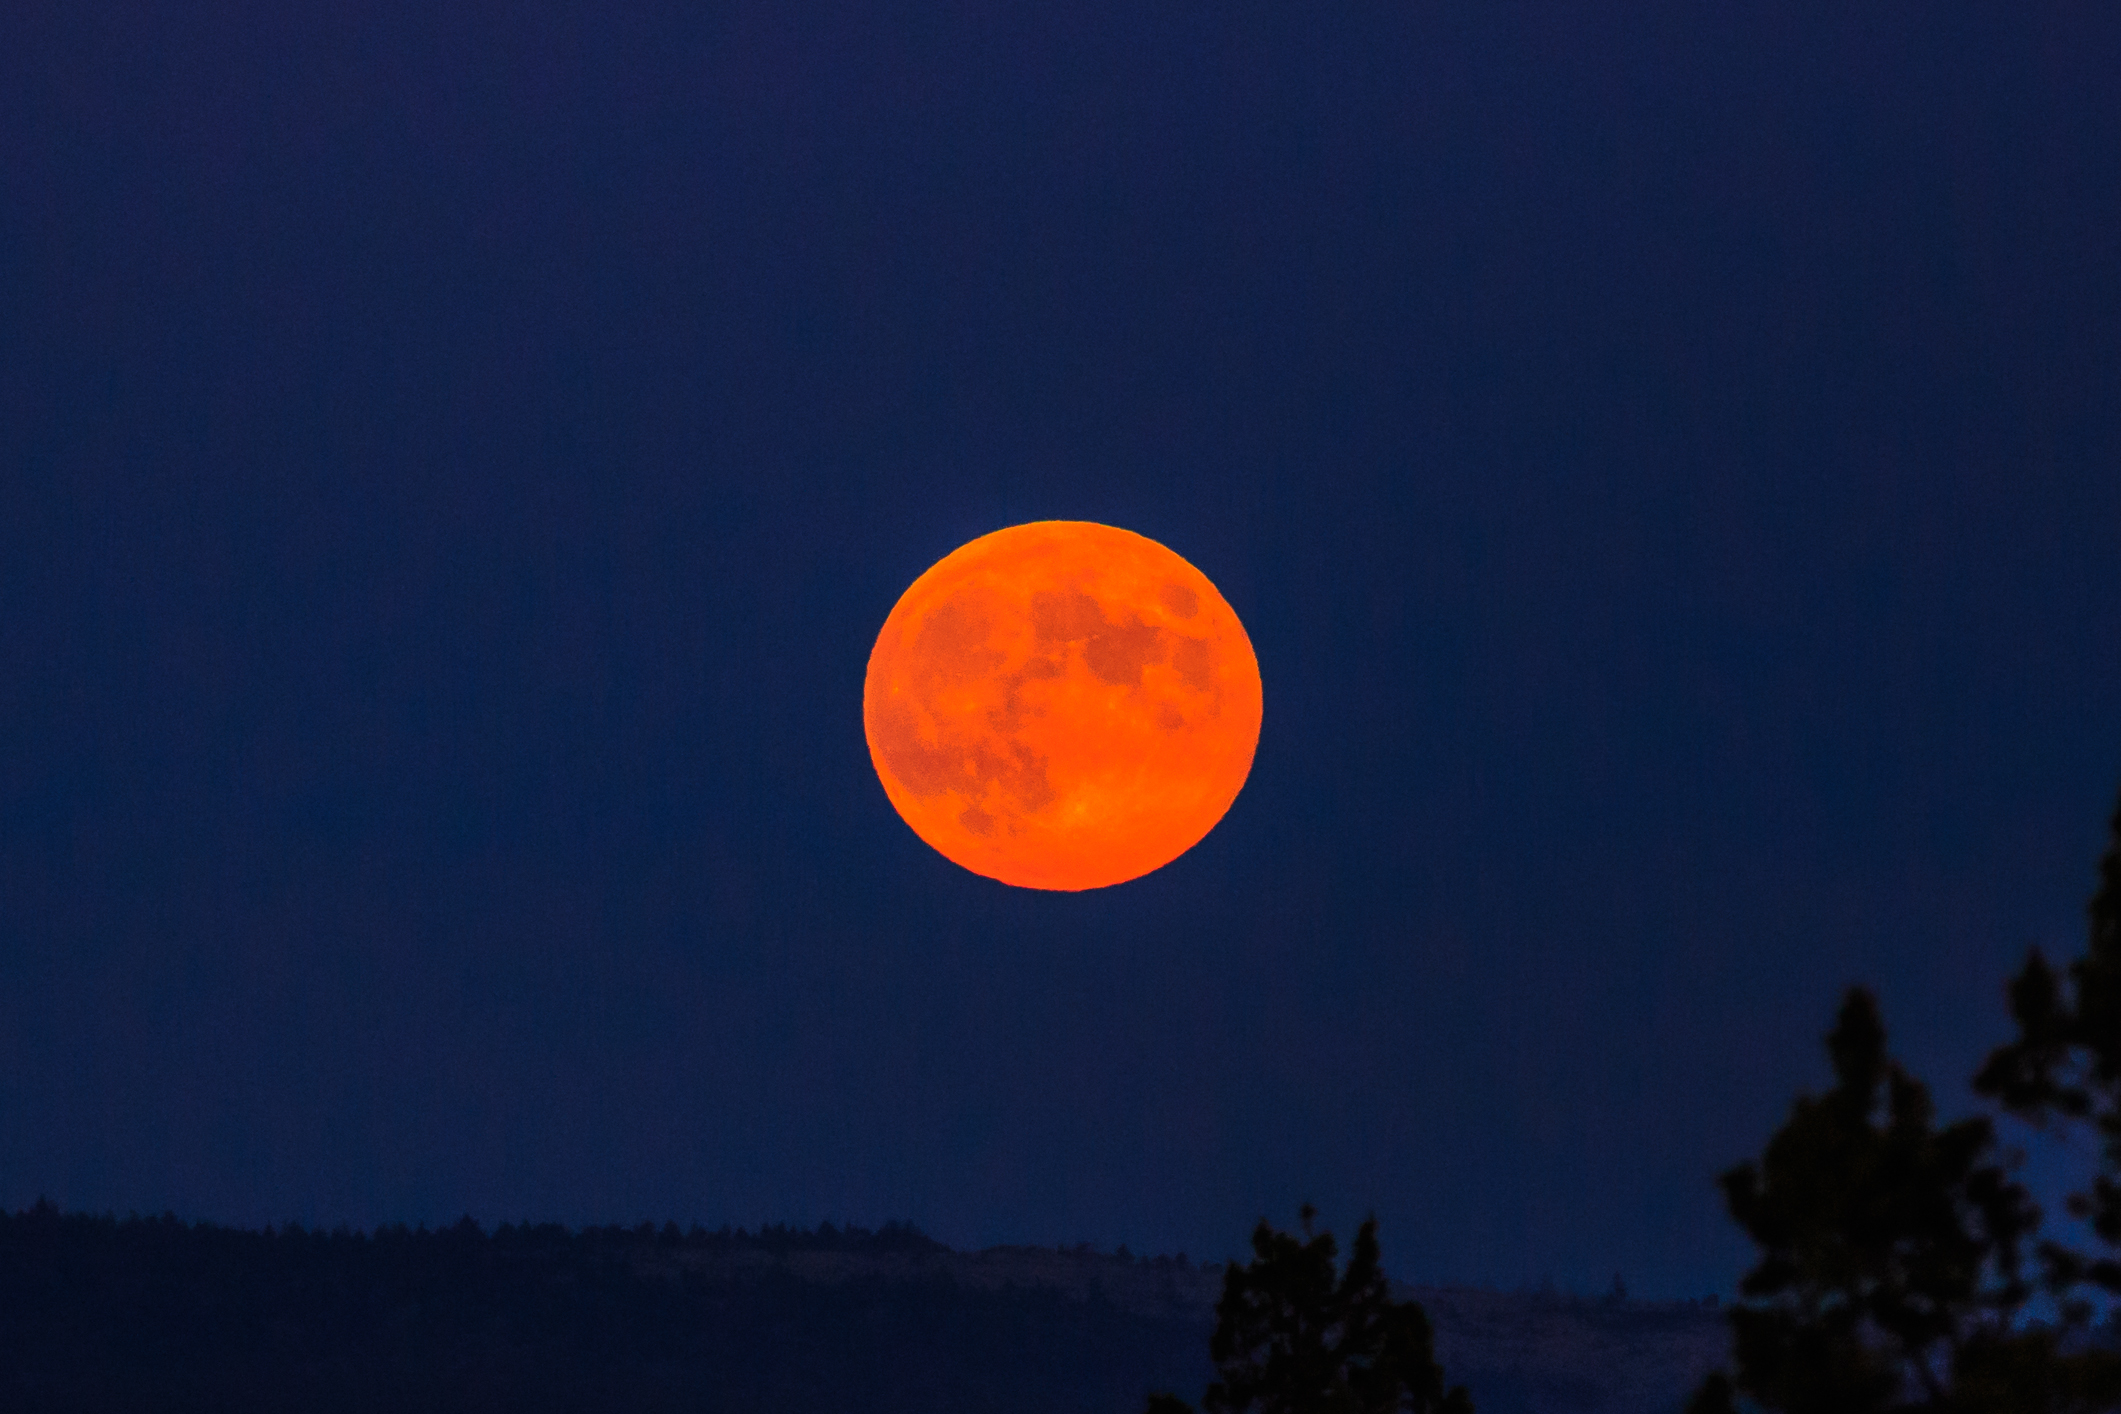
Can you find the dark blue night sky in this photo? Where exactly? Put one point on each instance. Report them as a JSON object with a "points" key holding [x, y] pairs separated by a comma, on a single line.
{"points": [[455, 458]]}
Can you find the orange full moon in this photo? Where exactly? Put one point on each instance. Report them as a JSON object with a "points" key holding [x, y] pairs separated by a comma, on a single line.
{"points": [[1062, 705]]}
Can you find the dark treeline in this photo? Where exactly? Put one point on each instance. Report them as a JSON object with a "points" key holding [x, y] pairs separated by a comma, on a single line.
{"points": [[99, 1313]]}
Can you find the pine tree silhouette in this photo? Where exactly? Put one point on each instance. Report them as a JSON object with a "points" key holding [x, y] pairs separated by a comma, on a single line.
{"points": [[1891, 1251], [1289, 1340], [2064, 1071]]}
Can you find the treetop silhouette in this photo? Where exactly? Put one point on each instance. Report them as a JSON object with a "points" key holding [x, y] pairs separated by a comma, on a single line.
{"points": [[1290, 1338], [1890, 1275]]}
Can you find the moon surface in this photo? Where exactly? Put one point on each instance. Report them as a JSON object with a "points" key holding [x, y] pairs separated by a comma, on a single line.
{"points": [[1062, 705]]}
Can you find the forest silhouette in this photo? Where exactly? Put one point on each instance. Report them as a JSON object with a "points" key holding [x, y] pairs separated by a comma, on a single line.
{"points": [[1903, 1270], [105, 1313], [1903, 1267], [155, 1313], [1897, 1258]]}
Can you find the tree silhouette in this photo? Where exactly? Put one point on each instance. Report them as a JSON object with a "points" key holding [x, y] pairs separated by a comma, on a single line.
{"points": [[1891, 1250], [2064, 1071], [1289, 1340]]}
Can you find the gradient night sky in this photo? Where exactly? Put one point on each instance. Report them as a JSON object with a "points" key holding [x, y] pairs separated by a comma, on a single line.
{"points": [[455, 458]]}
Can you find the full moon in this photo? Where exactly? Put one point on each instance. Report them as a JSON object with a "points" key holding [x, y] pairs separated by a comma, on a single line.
{"points": [[1062, 705]]}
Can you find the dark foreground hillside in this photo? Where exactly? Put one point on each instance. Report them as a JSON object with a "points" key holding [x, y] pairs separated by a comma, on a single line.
{"points": [[99, 1314]]}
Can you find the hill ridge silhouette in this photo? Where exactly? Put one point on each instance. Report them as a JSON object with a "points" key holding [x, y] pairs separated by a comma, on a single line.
{"points": [[97, 1309]]}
